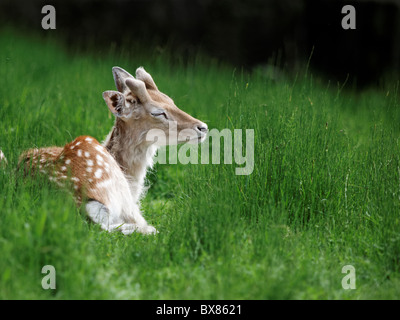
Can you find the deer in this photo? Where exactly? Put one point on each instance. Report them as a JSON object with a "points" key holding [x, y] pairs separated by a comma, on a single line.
{"points": [[110, 176]]}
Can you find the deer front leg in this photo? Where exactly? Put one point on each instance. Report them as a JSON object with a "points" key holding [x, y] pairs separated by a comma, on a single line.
{"points": [[100, 214], [128, 228], [136, 222]]}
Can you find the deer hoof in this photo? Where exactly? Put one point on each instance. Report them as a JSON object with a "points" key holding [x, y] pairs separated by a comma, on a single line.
{"points": [[148, 230]]}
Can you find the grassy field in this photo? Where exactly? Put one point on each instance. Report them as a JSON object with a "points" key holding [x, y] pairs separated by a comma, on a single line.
{"points": [[324, 193]]}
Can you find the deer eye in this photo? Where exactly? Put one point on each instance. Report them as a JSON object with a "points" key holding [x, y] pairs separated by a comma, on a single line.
{"points": [[159, 114], [129, 101]]}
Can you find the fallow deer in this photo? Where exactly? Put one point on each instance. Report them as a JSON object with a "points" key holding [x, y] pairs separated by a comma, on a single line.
{"points": [[111, 175]]}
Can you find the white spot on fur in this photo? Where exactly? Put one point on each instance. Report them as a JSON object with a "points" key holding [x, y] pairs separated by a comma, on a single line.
{"points": [[63, 168], [89, 163], [89, 140], [89, 169], [99, 159], [79, 153], [104, 184], [75, 179], [100, 149], [98, 173], [68, 161], [87, 154]]}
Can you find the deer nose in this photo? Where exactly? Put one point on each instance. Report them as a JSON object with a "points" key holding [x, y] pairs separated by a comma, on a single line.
{"points": [[202, 128]]}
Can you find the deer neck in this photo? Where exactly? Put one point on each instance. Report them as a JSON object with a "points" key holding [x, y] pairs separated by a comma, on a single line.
{"points": [[129, 148]]}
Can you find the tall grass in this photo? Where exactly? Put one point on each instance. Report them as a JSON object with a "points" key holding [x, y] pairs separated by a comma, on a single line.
{"points": [[324, 193]]}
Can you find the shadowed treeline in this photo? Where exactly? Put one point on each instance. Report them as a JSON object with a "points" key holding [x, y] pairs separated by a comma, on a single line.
{"points": [[245, 33]]}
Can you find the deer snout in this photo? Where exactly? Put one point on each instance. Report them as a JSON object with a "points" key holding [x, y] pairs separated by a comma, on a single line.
{"points": [[201, 128]]}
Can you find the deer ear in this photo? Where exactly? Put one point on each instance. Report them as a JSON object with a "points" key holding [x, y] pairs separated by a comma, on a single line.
{"points": [[120, 75], [116, 103], [143, 75], [138, 88]]}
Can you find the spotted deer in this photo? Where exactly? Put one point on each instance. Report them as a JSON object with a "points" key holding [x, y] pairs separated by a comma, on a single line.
{"points": [[110, 176]]}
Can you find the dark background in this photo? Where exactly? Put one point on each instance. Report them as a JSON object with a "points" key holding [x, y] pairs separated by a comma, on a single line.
{"points": [[246, 33]]}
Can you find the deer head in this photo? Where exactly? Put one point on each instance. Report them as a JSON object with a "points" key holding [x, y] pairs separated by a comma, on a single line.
{"points": [[147, 114]]}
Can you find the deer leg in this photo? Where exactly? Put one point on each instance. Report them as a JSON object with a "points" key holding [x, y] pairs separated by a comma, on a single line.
{"points": [[100, 214], [128, 228], [97, 212], [136, 223]]}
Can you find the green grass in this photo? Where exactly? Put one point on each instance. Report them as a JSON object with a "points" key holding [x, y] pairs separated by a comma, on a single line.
{"points": [[324, 193]]}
